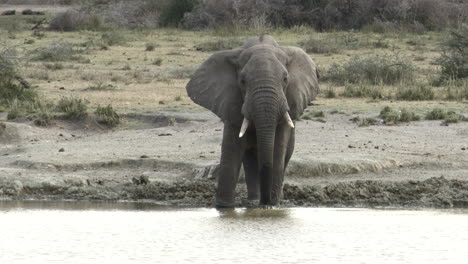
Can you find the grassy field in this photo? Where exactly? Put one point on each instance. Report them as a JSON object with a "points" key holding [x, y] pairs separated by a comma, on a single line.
{"points": [[139, 71]]}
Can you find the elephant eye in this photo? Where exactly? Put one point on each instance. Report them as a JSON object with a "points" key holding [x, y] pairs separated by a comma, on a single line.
{"points": [[242, 81], [285, 79]]}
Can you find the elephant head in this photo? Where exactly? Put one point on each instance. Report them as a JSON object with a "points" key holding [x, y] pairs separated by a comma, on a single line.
{"points": [[259, 85]]}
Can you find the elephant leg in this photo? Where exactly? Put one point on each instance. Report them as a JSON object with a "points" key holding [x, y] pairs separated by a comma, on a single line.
{"points": [[281, 157], [252, 179], [231, 158]]}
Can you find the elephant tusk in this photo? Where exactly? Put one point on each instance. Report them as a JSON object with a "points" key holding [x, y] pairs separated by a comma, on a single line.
{"points": [[289, 120], [245, 125]]}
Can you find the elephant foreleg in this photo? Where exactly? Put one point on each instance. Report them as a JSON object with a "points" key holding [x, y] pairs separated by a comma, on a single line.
{"points": [[231, 158], [252, 180]]}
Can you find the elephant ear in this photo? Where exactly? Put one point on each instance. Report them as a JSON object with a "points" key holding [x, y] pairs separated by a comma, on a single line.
{"points": [[303, 84], [214, 86]]}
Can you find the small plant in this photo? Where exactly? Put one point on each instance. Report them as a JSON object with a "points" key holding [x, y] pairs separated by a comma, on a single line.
{"points": [[330, 93], [73, 108], [314, 45], [126, 67], [457, 89], [376, 70], [317, 114], [415, 93], [114, 37], [362, 90], [150, 46], [392, 117], [100, 86], [54, 66], [364, 122], [221, 44], [454, 60], [107, 116], [178, 98], [436, 114], [157, 61], [58, 51], [447, 117]]}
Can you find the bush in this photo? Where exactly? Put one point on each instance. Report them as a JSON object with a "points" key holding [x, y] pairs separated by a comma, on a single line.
{"points": [[363, 122], [415, 93], [173, 11], [217, 45], [457, 89], [114, 37], [73, 108], [454, 60], [107, 116], [313, 45], [150, 46], [362, 90], [58, 51], [12, 86], [436, 114], [392, 117], [374, 69]]}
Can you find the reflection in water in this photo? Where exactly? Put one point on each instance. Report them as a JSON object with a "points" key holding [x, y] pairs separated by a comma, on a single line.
{"points": [[253, 213], [89, 232]]}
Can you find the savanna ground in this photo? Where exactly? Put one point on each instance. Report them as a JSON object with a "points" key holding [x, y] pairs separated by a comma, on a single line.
{"points": [[165, 148]]}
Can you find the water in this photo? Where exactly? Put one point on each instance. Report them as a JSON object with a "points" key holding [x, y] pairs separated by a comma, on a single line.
{"points": [[70, 232]]}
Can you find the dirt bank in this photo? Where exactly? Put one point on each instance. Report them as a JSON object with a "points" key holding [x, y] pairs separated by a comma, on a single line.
{"points": [[172, 158]]}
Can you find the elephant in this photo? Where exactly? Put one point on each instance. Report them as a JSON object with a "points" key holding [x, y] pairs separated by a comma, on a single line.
{"points": [[258, 90]]}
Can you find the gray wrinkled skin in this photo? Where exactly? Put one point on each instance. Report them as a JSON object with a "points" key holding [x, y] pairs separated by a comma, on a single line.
{"points": [[261, 82]]}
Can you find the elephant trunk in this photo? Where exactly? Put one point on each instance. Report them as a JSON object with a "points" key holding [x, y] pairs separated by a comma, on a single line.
{"points": [[266, 114]]}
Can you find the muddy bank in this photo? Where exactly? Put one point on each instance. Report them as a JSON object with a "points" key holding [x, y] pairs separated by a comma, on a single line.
{"points": [[171, 158], [432, 192]]}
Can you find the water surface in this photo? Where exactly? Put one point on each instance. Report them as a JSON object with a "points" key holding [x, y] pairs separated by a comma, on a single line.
{"points": [[83, 232]]}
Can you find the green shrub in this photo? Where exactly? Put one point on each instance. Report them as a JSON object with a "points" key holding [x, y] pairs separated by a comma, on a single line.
{"points": [[157, 61], [374, 69], [73, 108], [454, 60], [54, 66], [391, 116], [364, 122], [107, 116], [58, 51], [12, 86], [314, 45], [72, 20], [362, 90], [150, 46], [217, 45], [415, 93], [436, 114], [100, 86], [174, 11], [114, 37], [457, 89]]}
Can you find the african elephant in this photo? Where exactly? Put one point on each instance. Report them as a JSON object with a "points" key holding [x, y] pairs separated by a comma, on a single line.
{"points": [[257, 90]]}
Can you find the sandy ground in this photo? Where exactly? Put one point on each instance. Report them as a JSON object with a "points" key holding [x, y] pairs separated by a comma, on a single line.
{"points": [[420, 164]]}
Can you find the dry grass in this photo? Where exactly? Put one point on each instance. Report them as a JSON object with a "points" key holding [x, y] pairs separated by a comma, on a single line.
{"points": [[161, 75]]}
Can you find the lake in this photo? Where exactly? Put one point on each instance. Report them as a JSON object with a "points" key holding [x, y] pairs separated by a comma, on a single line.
{"points": [[90, 232]]}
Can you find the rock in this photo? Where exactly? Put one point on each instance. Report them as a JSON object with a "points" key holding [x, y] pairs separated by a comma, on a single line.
{"points": [[9, 13], [29, 12], [144, 157], [62, 150], [165, 134]]}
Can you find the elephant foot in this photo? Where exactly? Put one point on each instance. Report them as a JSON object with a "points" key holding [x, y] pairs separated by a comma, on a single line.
{"points": [[220, 204], [253, 196]]}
